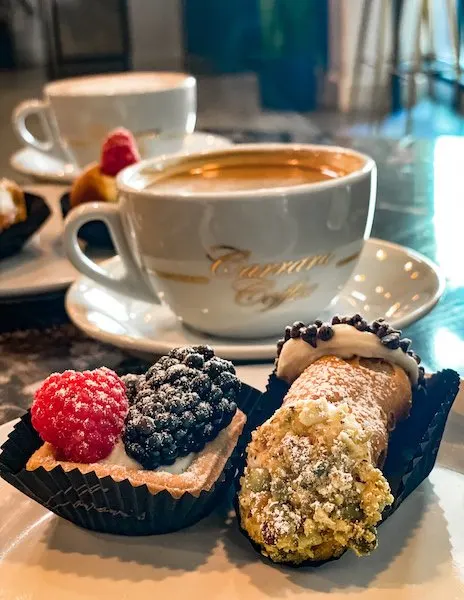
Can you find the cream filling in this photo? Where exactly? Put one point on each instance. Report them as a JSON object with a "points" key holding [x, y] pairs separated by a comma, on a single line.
{"points": [[119, 457], [7, 205], [346, 342]]}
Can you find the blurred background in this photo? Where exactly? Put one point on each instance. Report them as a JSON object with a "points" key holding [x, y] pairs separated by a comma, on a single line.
{"points": [[301, 70]]}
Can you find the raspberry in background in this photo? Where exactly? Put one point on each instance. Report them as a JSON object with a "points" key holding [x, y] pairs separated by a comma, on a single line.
{"points": [[119, 150], [81, 413]]}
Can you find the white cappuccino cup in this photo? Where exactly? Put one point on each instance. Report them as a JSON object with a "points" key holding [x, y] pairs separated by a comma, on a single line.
{"points": [[76, 114], [238, 242]]}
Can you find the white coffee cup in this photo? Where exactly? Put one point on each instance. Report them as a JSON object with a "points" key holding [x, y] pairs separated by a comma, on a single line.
{"points": [[241, 263], [77, 113]]}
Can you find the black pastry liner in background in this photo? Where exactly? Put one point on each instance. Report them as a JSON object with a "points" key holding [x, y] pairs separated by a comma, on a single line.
{"points": [[104, 504], [13, 238], [95, 233], [412, 448]]}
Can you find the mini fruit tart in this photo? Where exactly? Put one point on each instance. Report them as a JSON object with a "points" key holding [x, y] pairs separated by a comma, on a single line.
{"points": [[136, 455], [172, 429]]}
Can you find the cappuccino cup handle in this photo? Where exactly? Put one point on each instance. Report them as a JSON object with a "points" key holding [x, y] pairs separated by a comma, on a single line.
{"points": [[35, 107], [132, 282]]}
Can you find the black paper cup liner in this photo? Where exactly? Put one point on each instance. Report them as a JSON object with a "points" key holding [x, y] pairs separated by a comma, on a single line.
{"points": [[95, 233], [412, 448], [14, 238], [106, 505]]}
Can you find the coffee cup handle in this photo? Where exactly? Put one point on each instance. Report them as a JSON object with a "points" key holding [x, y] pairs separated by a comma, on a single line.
{"points": [[132, 282], [39, 108]]}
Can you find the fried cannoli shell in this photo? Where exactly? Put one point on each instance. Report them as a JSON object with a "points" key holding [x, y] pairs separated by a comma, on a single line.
{"points": [[377, 392]]}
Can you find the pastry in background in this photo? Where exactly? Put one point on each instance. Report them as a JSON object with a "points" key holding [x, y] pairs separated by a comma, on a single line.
{"points": [[97, 183], [313, 485], [12, 204]]}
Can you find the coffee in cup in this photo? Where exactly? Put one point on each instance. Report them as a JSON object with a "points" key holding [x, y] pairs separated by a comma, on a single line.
{"points": [[253, 171], [238, 242], [76, 114]]}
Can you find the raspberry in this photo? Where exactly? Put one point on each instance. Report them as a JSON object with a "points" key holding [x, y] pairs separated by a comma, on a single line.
{"points": [[81, 414], [119, 150]]}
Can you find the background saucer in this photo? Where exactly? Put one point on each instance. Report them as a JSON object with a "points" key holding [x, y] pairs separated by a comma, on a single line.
{"points": [[389, 281], [45, 167], [42, 166]]}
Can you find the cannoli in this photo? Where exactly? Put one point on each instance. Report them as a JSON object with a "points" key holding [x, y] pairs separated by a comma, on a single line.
{"points": [[312, 486]]}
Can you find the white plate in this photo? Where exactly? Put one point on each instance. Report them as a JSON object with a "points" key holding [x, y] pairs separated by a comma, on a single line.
{"points": [[420, 554], [390, 281], [46, 167], [41, 266]]}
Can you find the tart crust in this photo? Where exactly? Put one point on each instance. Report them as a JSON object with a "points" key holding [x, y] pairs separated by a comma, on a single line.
{"points": [[200, 476]]}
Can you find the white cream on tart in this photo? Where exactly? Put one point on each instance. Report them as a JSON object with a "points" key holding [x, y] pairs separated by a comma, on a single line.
{"points": [[119, 457], [346, 342]]}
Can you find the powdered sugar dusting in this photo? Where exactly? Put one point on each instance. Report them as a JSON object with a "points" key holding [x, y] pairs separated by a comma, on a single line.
{"points": [[311, 487]]}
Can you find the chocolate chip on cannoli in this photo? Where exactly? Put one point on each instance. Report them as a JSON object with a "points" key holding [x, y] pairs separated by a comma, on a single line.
{"points": [[325, 332], [391, 341]]}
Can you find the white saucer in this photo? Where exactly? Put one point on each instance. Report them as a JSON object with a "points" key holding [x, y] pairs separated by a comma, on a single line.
{"points": [[390, 281], [420, 553], [45, 167], [41, 266]]}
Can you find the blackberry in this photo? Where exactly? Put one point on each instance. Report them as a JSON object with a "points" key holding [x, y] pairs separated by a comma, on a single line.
{"points": [[195, 360], [132, 383], [155, 441], [198, 444], [190, 400], [201, 385], [153, 459], [229, 411], [187, 419], [228, 381], [166, 439], [166, 361], [146, 425], [181, 353], [181, 385], [206, 351], [209, 432], [180, 435], [203, 412], [169, 455], [135, 450], [150, 408], [175, 422], [215, 394], [177, 409], [177, 371], [162, 421], [176, 405], [216, 366], [220, 411], [156, 378]]}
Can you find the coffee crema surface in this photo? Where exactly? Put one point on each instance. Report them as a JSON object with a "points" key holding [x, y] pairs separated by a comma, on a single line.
{"points": [[250, 171]]}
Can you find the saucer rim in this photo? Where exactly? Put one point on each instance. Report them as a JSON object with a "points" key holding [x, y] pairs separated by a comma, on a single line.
{"points": [[47, 177], [242, 349]]}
